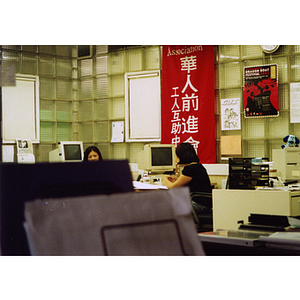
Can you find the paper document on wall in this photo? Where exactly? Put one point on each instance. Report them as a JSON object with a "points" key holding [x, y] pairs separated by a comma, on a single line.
{"points": [[230, 114], [24, 146], [117, 135], [295, 102], [8, 153]]}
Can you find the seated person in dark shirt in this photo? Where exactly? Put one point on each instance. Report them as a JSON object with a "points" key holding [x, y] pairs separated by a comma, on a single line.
{"points": [[194, 175]]}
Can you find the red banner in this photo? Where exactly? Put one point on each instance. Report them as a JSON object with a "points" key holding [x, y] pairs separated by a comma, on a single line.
{"points": [[188, 97]]}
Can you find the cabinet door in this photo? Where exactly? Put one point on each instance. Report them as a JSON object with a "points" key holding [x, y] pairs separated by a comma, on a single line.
{"points": [[231, 206], [295, 205]]}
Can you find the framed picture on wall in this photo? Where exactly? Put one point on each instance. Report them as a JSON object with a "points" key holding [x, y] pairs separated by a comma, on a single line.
{"points": [[260, 91]]}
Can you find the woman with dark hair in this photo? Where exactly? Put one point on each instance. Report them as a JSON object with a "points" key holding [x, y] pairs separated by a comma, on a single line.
{"points": [[92, 153], [194, 175]]}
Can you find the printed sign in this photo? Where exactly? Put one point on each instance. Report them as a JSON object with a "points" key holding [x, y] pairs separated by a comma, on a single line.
{"points": [[260, 91]]}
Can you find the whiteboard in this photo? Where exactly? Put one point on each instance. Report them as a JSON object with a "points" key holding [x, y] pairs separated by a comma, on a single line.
{"points": [[20, 110], [143, 106]]}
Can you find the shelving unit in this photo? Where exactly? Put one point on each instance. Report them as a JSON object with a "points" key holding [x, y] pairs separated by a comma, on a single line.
{"points": [[243, 174]]}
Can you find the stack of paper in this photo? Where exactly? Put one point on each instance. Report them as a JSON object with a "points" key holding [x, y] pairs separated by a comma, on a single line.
{"points": [[282, 238], [294, 222]]}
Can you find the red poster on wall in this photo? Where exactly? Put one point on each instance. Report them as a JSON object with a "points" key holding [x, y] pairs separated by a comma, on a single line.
{"points": [[260, 91], [188, 95]]}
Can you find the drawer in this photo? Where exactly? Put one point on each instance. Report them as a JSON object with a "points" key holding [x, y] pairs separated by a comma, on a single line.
{"points": [[295, 205]]}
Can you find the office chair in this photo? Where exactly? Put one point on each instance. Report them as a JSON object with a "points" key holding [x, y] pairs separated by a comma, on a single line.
{"points": [[148, 223], [204, 222]]}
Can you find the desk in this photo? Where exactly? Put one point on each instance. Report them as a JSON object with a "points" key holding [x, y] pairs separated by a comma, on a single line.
{"points": [[248, 245], [213, 249], [230, 206]]}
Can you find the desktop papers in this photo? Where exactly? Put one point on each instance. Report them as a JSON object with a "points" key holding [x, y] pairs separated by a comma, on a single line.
{"points": [[147, 186], [283, 238], [294, 222]]}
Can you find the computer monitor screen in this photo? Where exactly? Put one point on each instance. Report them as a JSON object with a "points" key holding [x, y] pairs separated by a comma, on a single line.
{"points": [[162, 156], [67, 151], [72, 152], [157, 158]]}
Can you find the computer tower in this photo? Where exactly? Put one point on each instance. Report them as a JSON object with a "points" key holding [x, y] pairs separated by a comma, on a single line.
{"points": [[287, 163]]}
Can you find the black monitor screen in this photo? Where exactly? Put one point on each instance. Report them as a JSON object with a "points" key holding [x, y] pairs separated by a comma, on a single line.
{"points": [[72, 152], [161, 156]]}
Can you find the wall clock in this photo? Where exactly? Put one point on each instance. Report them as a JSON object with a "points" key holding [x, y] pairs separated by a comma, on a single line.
{"points": [[269, 48]]}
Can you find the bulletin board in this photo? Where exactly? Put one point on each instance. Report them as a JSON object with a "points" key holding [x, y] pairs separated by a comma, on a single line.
{"points": [[20, 110], [142, 106]]}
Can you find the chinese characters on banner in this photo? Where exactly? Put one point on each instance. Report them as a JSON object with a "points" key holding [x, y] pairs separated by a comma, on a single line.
{"points": [[230, 114], [260, 91], [188, 99]]}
